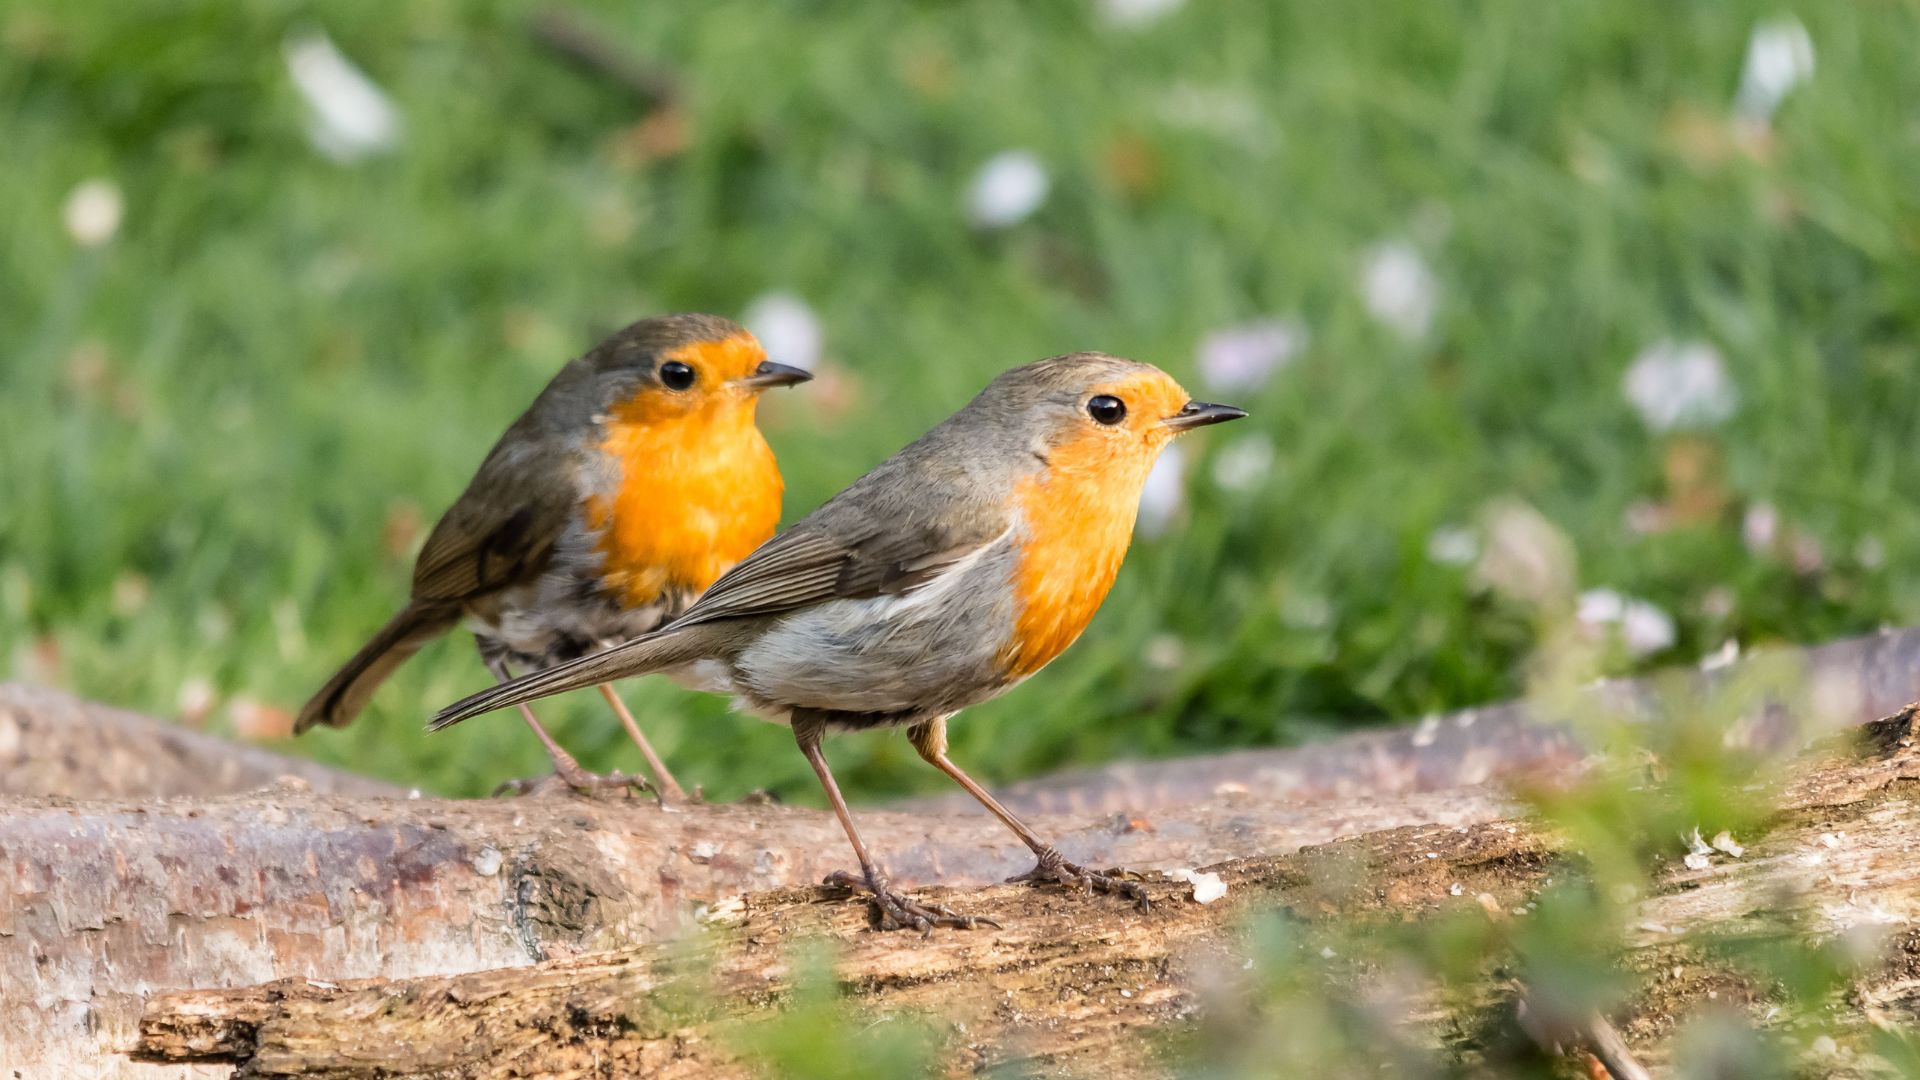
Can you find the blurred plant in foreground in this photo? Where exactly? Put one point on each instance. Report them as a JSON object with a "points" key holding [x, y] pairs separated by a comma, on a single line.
{"points": [[822, 1035], [1680, 779]]}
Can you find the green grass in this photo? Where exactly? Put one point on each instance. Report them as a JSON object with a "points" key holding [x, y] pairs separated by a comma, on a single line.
{"points": [[221, 408]]}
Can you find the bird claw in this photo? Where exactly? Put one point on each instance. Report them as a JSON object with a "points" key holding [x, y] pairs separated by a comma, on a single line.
{"points": [[577, 781], [1052, 867], [893, 910]]}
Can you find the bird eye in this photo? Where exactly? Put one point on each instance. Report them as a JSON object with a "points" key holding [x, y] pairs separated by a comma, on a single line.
{"points": [[675, 375], [1107, 409]]}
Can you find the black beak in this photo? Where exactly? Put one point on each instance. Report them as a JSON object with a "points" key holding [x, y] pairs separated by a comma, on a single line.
{"points": [[769, 375], [1200, 414]]}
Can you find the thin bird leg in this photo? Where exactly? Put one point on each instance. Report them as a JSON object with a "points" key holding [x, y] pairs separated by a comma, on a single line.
{"points": [[669, 787], [893, 910], [930, 739], [565, 767]]}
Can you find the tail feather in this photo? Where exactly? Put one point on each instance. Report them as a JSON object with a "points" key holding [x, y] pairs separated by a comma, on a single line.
{"points": [[658, 651], [344, 695]]}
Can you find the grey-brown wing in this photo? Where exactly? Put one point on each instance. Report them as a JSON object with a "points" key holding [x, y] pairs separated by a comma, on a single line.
{"points": [[501, 531], [846, 555]]}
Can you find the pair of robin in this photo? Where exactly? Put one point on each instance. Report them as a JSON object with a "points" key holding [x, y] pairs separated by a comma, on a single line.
{"points": [[634, 501]]}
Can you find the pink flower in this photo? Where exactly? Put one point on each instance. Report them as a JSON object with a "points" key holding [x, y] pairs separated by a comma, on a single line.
{"points": [[1244, 357]]}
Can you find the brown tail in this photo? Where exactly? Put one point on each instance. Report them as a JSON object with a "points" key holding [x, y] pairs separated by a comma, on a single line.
{"points": [[347, 692], [667, 648]]}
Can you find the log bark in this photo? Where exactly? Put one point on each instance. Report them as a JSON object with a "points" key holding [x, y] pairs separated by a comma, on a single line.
{"points": [[1076, 984], [54, 744], [104, 903]]}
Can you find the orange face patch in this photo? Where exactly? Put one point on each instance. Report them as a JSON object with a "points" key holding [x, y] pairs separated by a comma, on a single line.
{"points": [[1079, 512], [699, 488], [716, 364]]}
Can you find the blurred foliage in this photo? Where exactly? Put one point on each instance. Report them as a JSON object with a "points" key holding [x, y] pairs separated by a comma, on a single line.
{"points": [[225, 428], [1516, 989], [820, 1034]]}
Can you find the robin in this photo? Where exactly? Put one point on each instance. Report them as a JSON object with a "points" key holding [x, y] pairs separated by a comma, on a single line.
{"points": [[634, 480], [946, 576]]}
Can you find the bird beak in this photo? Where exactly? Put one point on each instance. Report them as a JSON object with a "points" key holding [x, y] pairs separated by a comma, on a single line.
{"points": [[769, 375], [1200, 414]]}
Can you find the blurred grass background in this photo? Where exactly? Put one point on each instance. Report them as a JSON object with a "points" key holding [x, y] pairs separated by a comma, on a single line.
{"points": [[225, 426]]}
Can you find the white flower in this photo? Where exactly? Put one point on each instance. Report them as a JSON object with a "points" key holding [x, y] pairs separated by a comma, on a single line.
{"points": [[1698, 853], [1644, 629], [1007, 189], [1452, 545], [1600, 607], [1525, 555], [349, 116], [1760, 528], [92, 212], [1721, 658], [1165, 492], [1779, 58], [1244, 357], [1206, 887], [1137, 12], [787, 328], [1242, 464], [1680, 385], [1400, 289]]}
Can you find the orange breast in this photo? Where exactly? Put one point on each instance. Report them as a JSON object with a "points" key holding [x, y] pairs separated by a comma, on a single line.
{"points": [[696, 494], [1079, 515]]}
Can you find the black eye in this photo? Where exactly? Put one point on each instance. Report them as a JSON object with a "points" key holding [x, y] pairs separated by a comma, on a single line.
{"points": [[1107, 409], [675, 375]]}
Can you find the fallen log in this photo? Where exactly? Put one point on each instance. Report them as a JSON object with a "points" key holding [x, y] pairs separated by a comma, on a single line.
{"points": [[103, 903], [54, 744], [1086, 984]]}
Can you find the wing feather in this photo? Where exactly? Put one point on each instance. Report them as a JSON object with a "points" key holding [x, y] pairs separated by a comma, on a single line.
{"points": [[500, 532], [821, 559]]}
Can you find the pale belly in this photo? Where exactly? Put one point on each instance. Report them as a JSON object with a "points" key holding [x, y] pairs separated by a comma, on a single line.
{"points": [[884, 660], [557, 619]]}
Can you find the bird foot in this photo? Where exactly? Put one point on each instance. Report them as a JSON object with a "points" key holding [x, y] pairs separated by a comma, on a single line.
{"points": [[576, 780], [892, 910], [1053, 867]]}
